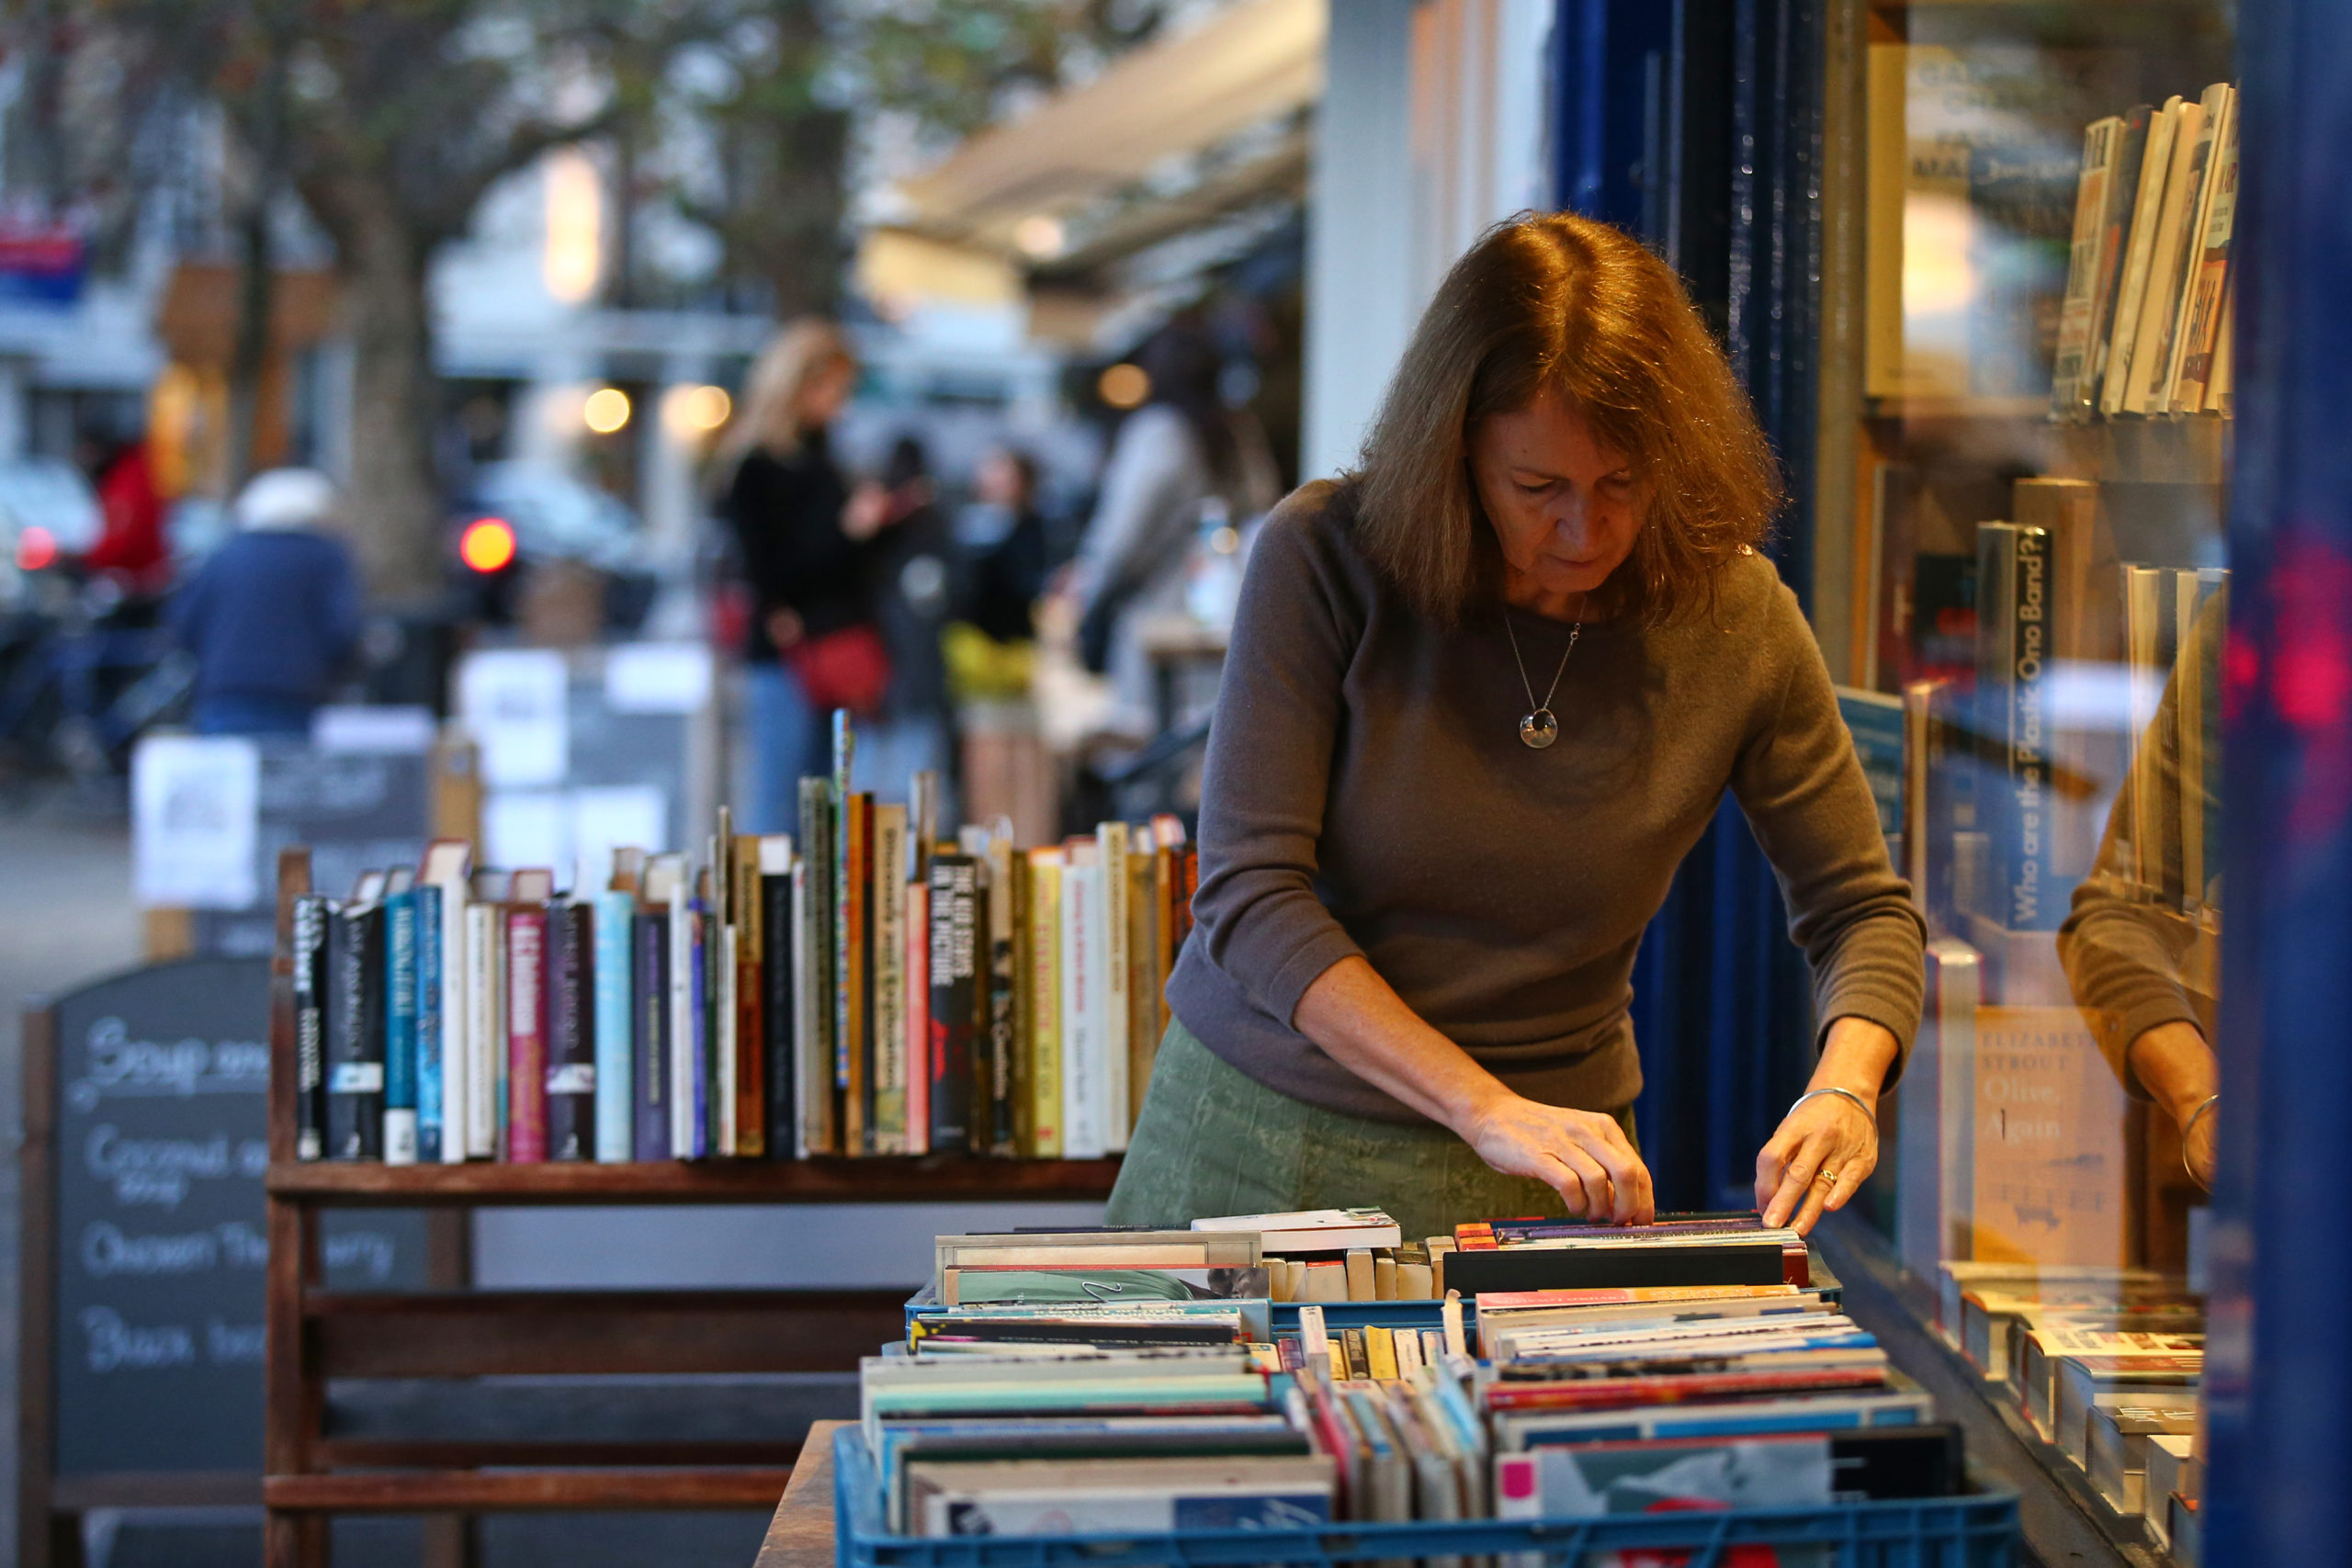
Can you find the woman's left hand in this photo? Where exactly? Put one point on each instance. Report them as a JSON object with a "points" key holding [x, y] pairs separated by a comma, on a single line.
{"points": [[1816, 1161], [1827, 1145]]}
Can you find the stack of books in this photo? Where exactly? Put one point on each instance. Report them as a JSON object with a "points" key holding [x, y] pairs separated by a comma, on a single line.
{"points": [[864, 988], [2148, 323], [2105, 1362], [1115, 1381], [1342, 1255], [1680, 1249]]}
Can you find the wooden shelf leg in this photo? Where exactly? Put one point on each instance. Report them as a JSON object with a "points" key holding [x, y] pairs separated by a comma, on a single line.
{"points": [[448, 1541], [295, 1541]]}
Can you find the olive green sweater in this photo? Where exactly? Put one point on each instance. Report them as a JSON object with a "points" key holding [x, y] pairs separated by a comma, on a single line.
{"points": [[1367, 792]]}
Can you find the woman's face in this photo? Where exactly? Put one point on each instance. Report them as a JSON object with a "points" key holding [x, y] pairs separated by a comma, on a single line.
{"points": [[824, 392], [1565, 507]]}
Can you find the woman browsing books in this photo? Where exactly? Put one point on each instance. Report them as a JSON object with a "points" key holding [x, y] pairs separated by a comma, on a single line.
{"points": [[1483, 696]]}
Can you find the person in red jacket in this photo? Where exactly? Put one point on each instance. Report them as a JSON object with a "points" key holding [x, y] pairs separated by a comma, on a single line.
{"points": [[131, 549]]}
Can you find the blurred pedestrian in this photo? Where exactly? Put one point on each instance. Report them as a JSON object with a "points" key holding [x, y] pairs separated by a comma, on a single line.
{"points": [[912, 602], [1179, 452], [131, 551], [274, 617], [807, 554], [1001, 537]]}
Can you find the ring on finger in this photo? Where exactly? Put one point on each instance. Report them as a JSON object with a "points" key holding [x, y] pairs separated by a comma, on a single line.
{"points": [[1827, 1177]]}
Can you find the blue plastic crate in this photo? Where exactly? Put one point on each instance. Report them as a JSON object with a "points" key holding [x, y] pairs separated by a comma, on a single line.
{"points": [[1976, 1531]]}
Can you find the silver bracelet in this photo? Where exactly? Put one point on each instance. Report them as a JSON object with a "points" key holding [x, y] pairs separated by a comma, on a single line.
{"points": [[2190, 1127], [1867, 1110]]}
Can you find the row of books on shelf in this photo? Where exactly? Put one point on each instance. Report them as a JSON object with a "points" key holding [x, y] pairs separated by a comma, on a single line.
{"points": [[2005, 790], [864, 988], [2148, 323], [1097, 1394], [2106, 1363]]}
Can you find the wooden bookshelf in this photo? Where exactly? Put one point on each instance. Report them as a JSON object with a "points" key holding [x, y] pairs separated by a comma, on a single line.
{"points": [[316, 1335], [934, 1179]]}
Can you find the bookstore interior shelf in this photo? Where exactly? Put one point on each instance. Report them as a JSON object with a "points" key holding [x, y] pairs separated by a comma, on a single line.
{"points": [[926, 1179]]}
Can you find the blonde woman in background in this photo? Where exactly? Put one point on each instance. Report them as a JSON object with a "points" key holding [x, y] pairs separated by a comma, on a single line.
{"points": [[806, 541]]}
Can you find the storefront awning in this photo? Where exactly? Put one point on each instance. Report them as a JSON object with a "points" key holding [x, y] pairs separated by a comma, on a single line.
{"points": [[1255, 61]]}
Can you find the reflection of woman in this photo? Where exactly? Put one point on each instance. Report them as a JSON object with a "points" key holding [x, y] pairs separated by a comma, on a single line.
{"points": [[1483, 697], [2123, 955], [806, 550]]}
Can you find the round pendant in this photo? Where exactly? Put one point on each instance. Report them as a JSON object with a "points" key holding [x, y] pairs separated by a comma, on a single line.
{"points": [[1538, 729]]}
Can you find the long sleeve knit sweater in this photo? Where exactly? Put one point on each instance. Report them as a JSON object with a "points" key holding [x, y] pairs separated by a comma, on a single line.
{"points": [[1367, 792]]}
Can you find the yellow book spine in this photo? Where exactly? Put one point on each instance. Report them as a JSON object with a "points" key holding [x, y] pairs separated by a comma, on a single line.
{"points": [[1380, 1350], [1046, 1001]]}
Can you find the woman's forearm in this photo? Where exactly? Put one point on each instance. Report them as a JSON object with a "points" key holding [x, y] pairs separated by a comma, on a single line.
{"points": [[1359, 1019], [1855, 1057], [2176, 1066]]}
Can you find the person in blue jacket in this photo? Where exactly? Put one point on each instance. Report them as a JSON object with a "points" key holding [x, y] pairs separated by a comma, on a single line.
{"points": [[274, 617]]}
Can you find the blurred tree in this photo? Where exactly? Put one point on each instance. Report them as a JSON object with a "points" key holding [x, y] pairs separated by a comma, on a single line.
{"points": [[953, 66]]}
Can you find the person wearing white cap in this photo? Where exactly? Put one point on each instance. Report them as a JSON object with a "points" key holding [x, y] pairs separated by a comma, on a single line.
{"points": [[274, 615]]}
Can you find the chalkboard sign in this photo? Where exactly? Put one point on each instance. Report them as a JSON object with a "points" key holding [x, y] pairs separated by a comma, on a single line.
{"points": [[146, 1141], [356, 810]]}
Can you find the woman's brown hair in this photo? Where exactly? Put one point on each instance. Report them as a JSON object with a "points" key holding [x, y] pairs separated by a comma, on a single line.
{"points": [[1565, 304]]}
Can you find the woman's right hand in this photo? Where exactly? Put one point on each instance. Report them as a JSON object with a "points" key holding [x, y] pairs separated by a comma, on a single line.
{"points": [[1581, 1155], [867, 512], [784, 627]]}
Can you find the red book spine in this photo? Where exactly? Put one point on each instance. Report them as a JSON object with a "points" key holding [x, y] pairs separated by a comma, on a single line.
{"points": [[526, 1035], [1611, 1393]]}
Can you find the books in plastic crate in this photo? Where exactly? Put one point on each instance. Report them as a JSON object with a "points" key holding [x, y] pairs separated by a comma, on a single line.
{"points": [[1975, 1531]]}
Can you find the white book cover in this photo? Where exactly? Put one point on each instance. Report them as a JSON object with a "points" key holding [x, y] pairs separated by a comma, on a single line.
{"points": [[448, 866], [1312, 1230], [2132, 285], [1083, 1099], [485, 1014], [2221, 106], [681, 1013], [1111, 856]]}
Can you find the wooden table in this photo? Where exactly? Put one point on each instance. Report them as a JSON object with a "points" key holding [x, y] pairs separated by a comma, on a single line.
{"points": [[801, 1534]]}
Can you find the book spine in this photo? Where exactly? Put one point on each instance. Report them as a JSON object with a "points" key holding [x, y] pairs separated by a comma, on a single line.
{"points": [[2220, 108], [527, 1038], [1111, 950], [2034, 900], [457, 1025], [2139, 256], [1143, 980], [698, 1045], [1044, 1005], [485, 1027], [885, 897], [311, 914], [1081, 1048], [852, 1052], [1004, 1083], [812, 1062], [778, 1010], [650, 1032], [616, 1025], [2099, 146], [680, 1038], [355, 1035], [917, 1042], [1025, 1013], [813, 955], [954, 899], [432, 1026], [2209, 273], [399, 1028], [2115, 231], [571, 1031], [751, 1096]]}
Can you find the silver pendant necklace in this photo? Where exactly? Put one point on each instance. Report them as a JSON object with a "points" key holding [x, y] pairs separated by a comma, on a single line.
{"points": [[1538, 729]]}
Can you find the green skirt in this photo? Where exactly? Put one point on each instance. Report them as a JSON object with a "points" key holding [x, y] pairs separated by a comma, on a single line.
{"points": [[1212, 1140]]}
